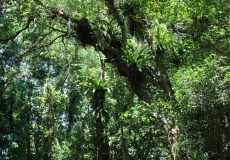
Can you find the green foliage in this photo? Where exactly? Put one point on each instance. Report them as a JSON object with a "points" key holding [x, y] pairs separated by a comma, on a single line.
{"points": [[52, 53], [212, 72], [98, 84], [137, 54], [203, 101]]}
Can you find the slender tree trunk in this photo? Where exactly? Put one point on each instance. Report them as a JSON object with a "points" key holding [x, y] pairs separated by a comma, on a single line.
{"points": [[10, 112], [102, 142], [28, 144], [123, 147], [37, 141], [148, 147], [2, 82], [47, 148]]}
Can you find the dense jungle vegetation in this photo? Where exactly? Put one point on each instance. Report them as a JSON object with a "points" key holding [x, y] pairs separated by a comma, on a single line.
{"points": [[114, 80]]}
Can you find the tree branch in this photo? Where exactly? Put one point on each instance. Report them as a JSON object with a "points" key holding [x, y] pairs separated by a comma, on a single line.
{"points": [[36, 47], [163, 81], [115, 12], [112, 54], [57, 30], [18, 32]]}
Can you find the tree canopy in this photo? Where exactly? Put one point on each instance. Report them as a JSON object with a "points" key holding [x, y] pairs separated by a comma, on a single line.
{"points": [[114, 79]]}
